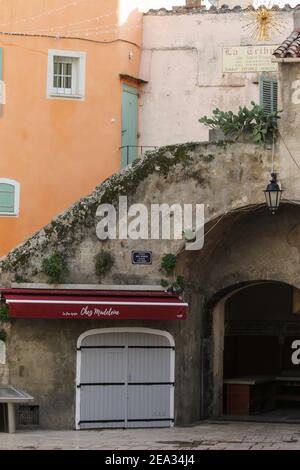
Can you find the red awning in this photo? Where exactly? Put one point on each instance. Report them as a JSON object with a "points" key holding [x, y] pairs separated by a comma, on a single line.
{"points": [[81, 304]]}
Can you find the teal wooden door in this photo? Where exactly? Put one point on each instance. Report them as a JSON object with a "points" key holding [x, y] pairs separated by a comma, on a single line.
{"points": [[129, 124]]}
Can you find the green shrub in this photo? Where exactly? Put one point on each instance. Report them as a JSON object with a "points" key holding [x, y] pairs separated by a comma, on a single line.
{"points": [[168, 263], [55, 267], [164, 283], [4, 312], [254, 121], [104, 263], [176, 286]]}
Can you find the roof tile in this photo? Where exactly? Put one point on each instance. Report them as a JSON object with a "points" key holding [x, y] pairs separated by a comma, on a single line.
{"points": [[290, 47]]}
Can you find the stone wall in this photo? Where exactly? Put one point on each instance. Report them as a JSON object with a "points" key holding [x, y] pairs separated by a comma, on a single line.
{"points": [[217, 175], [243, 243], [288, 143]]}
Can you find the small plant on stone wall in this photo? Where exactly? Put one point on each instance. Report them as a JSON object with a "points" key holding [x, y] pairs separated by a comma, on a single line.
{"points": [[255, 121], [168, 264], [19, 279], [104, 263], [3, 335], [55, 267], [165, 283], [4, 312]]}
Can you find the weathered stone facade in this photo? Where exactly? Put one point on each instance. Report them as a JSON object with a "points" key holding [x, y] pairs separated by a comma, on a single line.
{"points": [[192, 173], [41, 353], [244, 244], [185, 72]]}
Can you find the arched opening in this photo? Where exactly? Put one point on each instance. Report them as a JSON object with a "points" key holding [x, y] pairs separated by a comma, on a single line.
{"points": [[242, 249], [256, 350], [125, 378]]}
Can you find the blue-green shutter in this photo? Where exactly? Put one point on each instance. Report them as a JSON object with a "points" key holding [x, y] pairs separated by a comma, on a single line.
{"points": [[7, 198], [129, 124], [268, 94]]}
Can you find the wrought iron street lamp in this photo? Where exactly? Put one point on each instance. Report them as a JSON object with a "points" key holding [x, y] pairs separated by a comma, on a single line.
{"points": [[273, 194]]}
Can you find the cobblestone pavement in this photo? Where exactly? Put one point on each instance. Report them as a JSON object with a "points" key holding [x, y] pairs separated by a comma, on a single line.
{"points": [[222, 435]]}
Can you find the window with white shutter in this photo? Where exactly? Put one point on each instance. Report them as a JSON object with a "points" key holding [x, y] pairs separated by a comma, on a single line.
{"points": [[269, 94]]}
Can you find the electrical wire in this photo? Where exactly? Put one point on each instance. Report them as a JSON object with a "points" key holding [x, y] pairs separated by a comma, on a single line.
{"points": [[64, 32], [51, 36], [55, 28], [44, 13], [250, 208]]}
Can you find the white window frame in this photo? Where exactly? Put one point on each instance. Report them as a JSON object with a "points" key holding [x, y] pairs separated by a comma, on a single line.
{"points": [[79, 74], [16, 185]]}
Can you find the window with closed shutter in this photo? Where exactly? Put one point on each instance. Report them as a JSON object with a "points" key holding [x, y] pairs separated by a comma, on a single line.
{"points": [[9, 197], [269, 94]]}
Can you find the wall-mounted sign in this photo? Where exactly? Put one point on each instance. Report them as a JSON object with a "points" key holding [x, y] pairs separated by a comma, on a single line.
{"points": [[141, 257], [242, 59]]}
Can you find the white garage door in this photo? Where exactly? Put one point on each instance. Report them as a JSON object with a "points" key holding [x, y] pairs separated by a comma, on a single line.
{"points": [[126, 380]]}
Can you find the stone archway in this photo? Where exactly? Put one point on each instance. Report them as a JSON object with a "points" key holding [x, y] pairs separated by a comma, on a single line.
{"points": [[218, 333], [246, 248]]}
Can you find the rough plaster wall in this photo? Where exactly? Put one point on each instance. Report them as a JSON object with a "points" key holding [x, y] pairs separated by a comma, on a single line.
{"points": [[215, 175], [289, 75], [223, 177], [183, 65]]}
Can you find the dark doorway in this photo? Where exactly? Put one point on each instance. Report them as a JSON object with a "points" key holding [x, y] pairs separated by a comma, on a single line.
{"points": [[3, 417], [261, 373]]}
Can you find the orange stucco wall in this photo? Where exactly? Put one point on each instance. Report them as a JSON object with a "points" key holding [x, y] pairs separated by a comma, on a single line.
{"points": [[59, 150]]}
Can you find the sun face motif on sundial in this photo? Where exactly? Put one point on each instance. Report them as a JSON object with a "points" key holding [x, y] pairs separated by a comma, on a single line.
{"points": [[265, 23]]}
